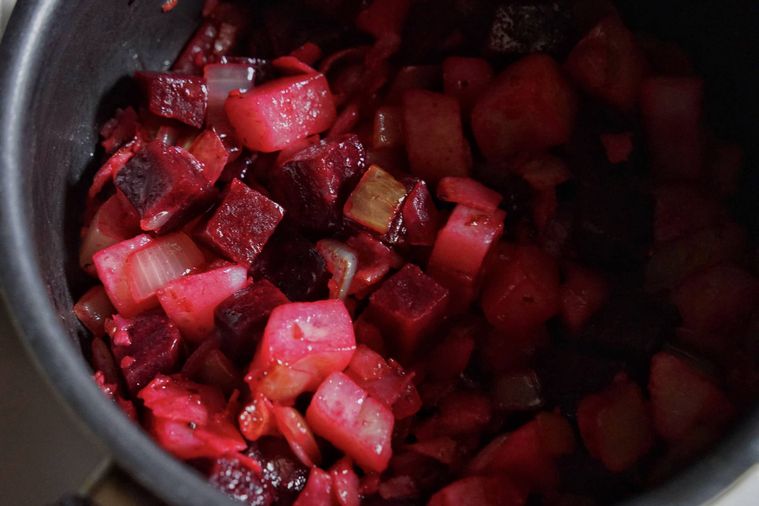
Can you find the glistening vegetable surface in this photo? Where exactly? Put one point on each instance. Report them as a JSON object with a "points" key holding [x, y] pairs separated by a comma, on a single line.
{"points": [[411, 289]]}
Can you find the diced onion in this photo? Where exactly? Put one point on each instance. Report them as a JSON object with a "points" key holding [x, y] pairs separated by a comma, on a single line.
{"points": [[376, 200], [220, 80], [161, 261], [342, 263]]}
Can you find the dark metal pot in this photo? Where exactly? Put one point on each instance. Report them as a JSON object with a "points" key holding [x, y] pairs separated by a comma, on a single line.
{"points": [[63, 64]]}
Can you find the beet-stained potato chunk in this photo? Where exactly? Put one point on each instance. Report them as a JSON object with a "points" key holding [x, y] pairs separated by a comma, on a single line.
{"points": [[529, 106], [435, 141], [243, 223], [144, 346], [175, 96], [165, 184], [302, 344], [269, 117], [314, 183], [343, 414], [407, 307]]}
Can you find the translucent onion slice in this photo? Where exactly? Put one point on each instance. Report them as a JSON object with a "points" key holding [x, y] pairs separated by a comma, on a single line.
{"points": [[220, 80], [342, 263], [376, 200], [164, 259], [93, 308]]}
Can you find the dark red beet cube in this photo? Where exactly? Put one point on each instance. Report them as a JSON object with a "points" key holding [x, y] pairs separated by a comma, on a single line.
{"points": [[176, 96], [241, 317], [243, 223], [164, 184], [524, 27], [239, 480], [314, 183], [144, 347], [407, 307], [301, 280]]}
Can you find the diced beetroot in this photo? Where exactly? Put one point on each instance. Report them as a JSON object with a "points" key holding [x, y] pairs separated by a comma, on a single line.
{"points": [[517, 391], [238, 478], [152, 266], [383, 16], [346, 121], [314, 183], [302, 344], [111, 167], [529, 453], [682, 398], [298, 435], [164, 184], [342, 263], [209, 150], [608, 64], [212, 367], [243, 223], [318, 490], [241, 317], [529, 107], [408, 306], [343, 414], [111, 391], [466, 191], [420, 216], [388, 128], [256, 115], [480, 491], [110, 264], [463, 243], [522, 292], [190, 301], [369, 335], [150, 345], [718, 300], [93, 308], [256, 419], [582, 294], [618, 147], [113, 222], [671, 110], [294, 148], [398, 488], [376, 200], [188, 419], [119, 130], [345, 484], [443, 449], [175, 96], [435, 141], [459, 413], [374, 262], [616, 425], [304, 280], [683, 209], [466, 79]]}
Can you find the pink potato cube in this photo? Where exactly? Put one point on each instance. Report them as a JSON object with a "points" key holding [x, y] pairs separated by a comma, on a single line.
{"points": [[175, 96], [435, 140], [407, 307], [462, 244], [303, 343], [269, 117], [190, 301], [344, 414]]}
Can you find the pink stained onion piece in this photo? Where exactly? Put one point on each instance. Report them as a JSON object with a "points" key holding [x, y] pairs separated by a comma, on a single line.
{"points": [[342, 263]]}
